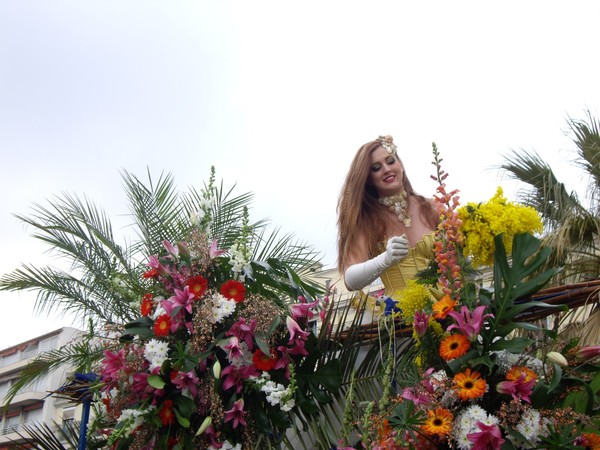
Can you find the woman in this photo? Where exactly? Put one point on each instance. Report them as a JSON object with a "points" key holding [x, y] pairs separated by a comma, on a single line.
{"points": [[385, 229]]}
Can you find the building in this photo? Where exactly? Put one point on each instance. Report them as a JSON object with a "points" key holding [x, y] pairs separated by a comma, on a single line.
{"points": [[34, 403]]}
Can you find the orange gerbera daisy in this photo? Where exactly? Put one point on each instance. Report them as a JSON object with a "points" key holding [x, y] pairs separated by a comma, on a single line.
{"points": [[147, 305], [453, 346], [515, 373], [233, 290], [443, 306], [591, 441], [439, 421], [162, 325], [470, 384]]}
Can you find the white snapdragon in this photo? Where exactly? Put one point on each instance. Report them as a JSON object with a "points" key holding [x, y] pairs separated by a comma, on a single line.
{"points": [[156, 353], [222, 307], [131, 419]]}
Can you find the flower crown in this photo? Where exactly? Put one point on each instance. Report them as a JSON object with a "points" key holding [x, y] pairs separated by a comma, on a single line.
{"points": [[387, 142]]}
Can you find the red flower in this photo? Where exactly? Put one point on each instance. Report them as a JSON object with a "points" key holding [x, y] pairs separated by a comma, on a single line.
{"points": [[152, 273], [197, 285], [166, 414], [162, 325], [233, 290], [264, 362], [147, 305]]}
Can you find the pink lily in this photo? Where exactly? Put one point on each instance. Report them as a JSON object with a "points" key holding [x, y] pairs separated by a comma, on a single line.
{"points": [[183, 298], [174, 251], [295, 329], [420, 323], [243, 331], [234, 349], [489, 438], [303, 309], [520, 389], [469, 323], [187, 380], [236, 413], [214, 251]]}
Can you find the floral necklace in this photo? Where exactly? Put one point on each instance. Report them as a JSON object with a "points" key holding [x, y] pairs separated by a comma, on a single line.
{"points": [[398, 204]]}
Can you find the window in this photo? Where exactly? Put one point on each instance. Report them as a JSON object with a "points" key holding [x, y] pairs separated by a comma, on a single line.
{"points": [[11, 424], [35, 415]]}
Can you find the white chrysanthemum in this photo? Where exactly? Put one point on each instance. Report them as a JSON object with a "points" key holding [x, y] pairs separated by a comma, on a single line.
{"points": [[466, 422], [222, 307], [156, 352], [531, 426]]}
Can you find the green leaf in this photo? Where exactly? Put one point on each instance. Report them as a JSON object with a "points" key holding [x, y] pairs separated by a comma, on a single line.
{"points": [[514, 345], [156, 381]]}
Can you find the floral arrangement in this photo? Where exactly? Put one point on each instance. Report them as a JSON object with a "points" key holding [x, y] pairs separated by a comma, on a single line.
{"points": [[470, 381], [216, 360]]}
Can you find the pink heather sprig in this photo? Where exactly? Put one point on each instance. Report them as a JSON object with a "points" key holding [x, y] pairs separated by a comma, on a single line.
{"points": [[448, 236]]}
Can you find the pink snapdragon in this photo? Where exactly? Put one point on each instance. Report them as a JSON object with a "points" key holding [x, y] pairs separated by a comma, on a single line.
{"points": [[421, 323], [467, 322]]}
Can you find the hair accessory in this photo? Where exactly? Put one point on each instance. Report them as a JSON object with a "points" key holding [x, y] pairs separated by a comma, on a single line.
{"points": [[387, 142], [398, 204]]}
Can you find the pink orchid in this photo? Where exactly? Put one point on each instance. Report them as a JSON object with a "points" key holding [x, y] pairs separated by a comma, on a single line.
{"points": [[214, 251], [420, 323], [236, 413], [469, 323], [303, 309], [233, 348], [489, 438], [520, 389], [415, 397]]}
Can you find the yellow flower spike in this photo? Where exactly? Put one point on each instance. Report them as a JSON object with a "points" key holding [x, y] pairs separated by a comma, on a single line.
{"points": [[205, 424]]}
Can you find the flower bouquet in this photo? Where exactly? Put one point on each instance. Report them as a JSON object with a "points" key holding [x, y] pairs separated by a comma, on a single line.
{"points": [[216, 359], [479, 375]]}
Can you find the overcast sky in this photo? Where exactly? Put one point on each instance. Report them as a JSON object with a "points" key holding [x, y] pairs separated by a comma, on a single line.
{"points": [[278, 96]]}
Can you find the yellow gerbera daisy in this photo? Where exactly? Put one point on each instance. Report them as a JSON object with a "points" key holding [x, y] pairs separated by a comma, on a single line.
{"points": [[470, 384], [439, 422], [453, 346]]}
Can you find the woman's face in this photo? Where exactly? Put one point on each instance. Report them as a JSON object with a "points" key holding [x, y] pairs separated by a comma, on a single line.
{"points": [[387, 172]]}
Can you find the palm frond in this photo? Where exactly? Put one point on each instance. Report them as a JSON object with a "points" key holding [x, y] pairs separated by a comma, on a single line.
{"points": [[80, 355], [586, 137], [543, 191]]}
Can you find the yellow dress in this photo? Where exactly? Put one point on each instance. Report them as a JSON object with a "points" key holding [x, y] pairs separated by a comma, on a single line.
{"points": [[396, 277]]}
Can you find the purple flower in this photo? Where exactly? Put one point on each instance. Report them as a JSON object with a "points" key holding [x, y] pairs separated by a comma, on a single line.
{"points": [[187, 380], [234, 349], [295, 330], [244, 331], [183, 298], [489, 438], [469, 323], [236, 414], [588, 352]]}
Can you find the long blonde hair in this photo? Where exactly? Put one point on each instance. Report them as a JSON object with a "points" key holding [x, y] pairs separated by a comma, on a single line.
{"points": [[359, 212]]}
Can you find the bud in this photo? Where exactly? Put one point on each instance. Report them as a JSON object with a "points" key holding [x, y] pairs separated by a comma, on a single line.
{"points": [[216, 369], [205, 424], [557, 358], [588, 352], [420, 323]]}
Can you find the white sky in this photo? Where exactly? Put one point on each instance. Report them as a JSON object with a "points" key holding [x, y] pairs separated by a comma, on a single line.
{"points": [[278, 96]]}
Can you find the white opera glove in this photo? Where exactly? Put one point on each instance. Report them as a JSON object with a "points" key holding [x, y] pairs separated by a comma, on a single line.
{"points": [[359, 275]]}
